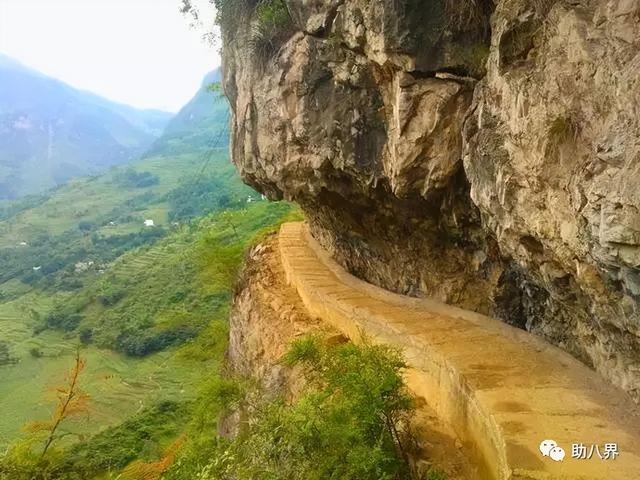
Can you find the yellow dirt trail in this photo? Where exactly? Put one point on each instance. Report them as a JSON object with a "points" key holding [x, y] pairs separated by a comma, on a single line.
{"points": [[503, 391]]}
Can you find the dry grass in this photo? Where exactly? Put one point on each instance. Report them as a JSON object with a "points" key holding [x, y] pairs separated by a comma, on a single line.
{"points": [[462, 15], [562, 129]]}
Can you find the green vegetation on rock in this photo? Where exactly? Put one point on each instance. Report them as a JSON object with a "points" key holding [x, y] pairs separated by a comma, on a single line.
{"points": [[350, 422]]}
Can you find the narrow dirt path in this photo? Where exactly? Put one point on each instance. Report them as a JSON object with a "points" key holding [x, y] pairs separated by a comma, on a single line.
{"points": [[502, 390]]}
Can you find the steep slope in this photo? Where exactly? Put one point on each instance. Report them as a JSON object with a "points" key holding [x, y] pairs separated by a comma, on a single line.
{"points": [[192, 126], [481, 153], [50, 132]]}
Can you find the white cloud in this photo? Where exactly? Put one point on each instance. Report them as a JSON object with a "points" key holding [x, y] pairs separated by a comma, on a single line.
{"points": [[139, 52]]}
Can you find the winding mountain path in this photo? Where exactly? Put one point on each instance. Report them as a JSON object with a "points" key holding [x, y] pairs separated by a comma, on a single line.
{"points": [[502, 390]]}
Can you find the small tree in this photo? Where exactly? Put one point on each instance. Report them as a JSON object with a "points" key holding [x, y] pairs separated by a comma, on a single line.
{"points": [[5, 353], [71, 402], [32, 457]]}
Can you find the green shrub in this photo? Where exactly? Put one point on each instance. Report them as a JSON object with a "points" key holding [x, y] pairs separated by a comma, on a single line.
{"points": [[143, 341], [86, 226], [85, 335], [350, 422], [63, 320], [5, 354], [111, 294], [36, 352], [133, 179], [270, 29], [273, 12], [270, 23]]}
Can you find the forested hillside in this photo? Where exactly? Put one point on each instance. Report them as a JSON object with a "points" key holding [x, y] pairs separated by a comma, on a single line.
{"points": [[191, 129]]}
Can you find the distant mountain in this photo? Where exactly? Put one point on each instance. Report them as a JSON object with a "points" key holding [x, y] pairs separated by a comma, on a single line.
{"points": [[50, 131], [203, 123]]}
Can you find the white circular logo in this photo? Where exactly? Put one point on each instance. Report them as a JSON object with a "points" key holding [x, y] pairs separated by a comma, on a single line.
{"points": [[550, 448], [546, 446], [556, 454]]}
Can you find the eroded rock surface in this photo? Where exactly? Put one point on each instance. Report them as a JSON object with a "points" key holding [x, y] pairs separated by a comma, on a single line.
{"points": [[266, 317], [354, 120], [485, 155], [553, 159]]}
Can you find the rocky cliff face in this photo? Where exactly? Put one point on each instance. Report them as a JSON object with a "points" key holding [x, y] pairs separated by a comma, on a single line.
{"points": [[486, 155], [267, 316]]}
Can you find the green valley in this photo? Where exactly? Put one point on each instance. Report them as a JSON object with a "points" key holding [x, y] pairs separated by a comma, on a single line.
{"points": [[169, 293], [51, 132], [134, 269]]}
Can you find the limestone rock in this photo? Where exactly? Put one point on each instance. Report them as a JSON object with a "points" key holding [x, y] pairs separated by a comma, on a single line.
{"points": [[552, 154], [486, 155]]}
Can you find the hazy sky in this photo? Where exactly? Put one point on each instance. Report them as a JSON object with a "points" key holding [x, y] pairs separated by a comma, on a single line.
{"points": [[139, 52]]}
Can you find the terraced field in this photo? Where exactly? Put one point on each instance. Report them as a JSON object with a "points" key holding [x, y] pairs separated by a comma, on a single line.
{"points": [[118, 385], [94, 198], [130, 264], [192, 262]]}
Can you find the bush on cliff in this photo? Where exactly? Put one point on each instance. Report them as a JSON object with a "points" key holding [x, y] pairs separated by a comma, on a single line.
{"points": [[271, 26], [350, 422], [268, 23]]}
